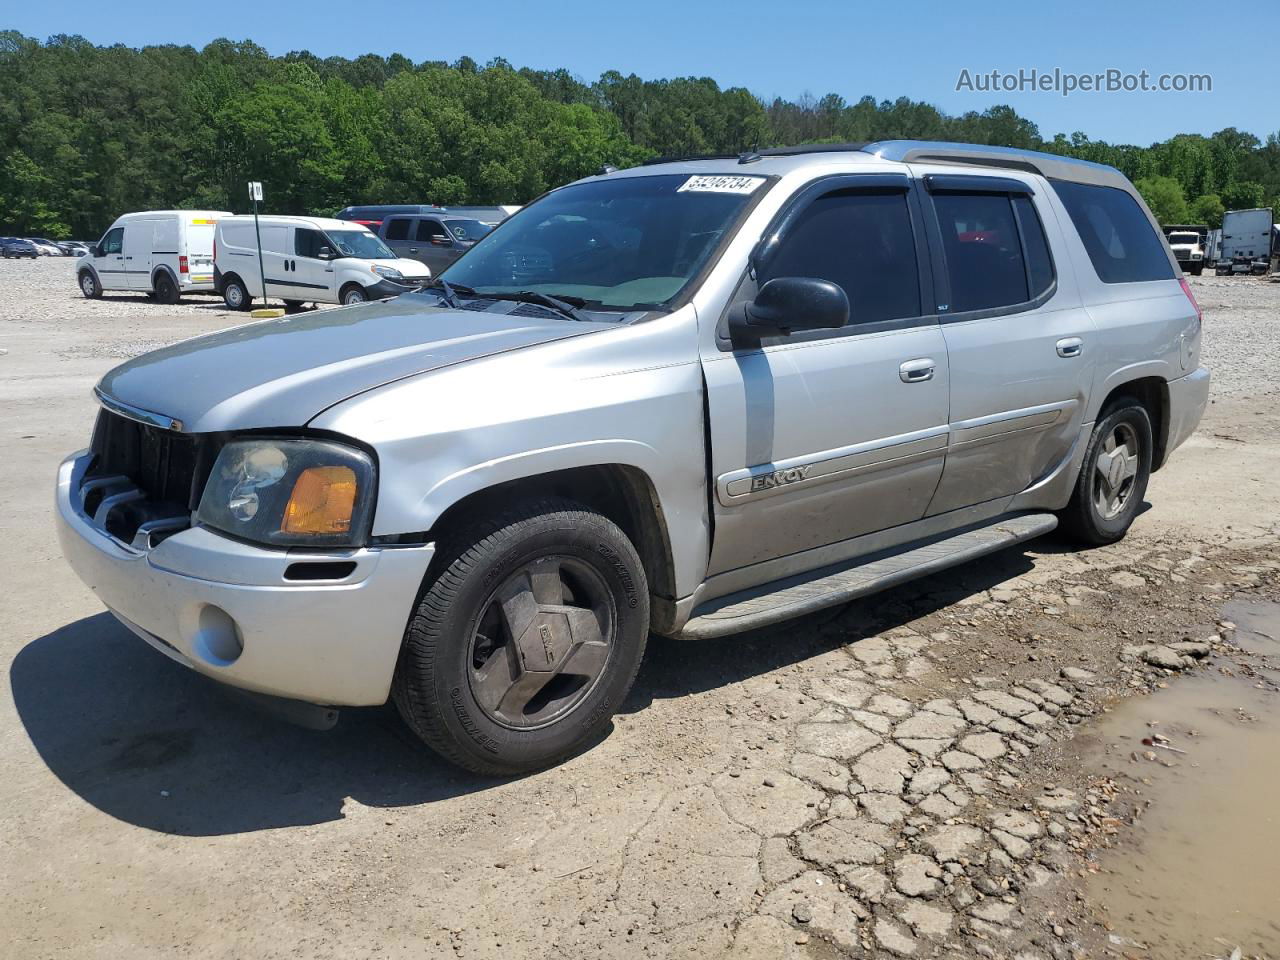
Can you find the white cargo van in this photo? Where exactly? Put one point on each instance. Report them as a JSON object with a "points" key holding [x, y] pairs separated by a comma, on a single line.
{"points": [[308, 260], [162, 253]]}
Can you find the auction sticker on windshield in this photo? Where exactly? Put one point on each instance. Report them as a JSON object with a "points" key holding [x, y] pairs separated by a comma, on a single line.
{"points": [[720, 184]]}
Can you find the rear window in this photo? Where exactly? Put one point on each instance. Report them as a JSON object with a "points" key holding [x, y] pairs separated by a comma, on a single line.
{"points": [[1117, 235], [398, 229]]}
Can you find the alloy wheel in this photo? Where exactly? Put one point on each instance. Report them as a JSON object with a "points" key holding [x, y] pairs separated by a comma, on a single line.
{"points": [[1115, 470], [541, 642]]}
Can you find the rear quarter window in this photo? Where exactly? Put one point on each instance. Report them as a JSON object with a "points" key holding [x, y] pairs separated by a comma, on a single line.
{"points": [[1120, 241]]}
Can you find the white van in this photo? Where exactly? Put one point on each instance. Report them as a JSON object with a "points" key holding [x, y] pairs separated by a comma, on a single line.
{"points": [[308, 260], [162, 253]]}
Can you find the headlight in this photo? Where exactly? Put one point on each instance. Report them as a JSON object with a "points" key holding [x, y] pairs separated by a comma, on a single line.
{"points": [[391, 273], [290, 493]]}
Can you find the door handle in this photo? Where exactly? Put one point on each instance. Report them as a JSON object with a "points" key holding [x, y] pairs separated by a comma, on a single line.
{"points": [[413, 249], [1069, 347], [917, 371]]}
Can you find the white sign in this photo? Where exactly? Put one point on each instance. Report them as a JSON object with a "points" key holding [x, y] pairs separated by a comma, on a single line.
{"points": [[255, 190], [721, 184]]}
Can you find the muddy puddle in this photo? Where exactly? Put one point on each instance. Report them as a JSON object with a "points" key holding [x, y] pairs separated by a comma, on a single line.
{"points": [[1200, 873]]}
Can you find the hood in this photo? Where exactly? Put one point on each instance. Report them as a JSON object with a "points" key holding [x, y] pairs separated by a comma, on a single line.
{"points": [[409, 268], [283, 372]]}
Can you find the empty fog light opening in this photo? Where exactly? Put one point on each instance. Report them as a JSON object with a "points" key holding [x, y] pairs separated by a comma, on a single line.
{"points": [[218, 639]]}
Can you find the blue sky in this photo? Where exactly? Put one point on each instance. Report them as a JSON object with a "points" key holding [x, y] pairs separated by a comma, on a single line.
{"points": [[773, 49]]}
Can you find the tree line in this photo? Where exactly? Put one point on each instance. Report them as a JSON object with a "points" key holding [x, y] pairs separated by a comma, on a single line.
{"points": [[88, 132]]}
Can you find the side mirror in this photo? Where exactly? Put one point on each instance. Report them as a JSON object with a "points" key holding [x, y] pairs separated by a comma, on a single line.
{"points": [[324, 253], [95, 250], [785, 305], [441, 242]]}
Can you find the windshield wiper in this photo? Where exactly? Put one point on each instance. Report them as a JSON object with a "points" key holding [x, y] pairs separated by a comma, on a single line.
{"points": [[450, 291], [566, 306]]}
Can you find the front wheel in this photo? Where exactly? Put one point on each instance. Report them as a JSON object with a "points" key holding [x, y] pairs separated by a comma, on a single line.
{"points": [[1113, 479], [89, 285], [526, 641], [234, 294], [352, 294]]}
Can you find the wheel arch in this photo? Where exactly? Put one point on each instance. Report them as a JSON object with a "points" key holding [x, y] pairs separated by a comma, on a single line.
{"points": [[164, 268], [621, 492], [1153, 393]]}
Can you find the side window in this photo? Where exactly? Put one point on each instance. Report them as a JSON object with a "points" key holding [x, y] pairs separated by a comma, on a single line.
{"points": [[113, 242], [982, 249], [1034, 245], [861, 241], [429, 230], [307, 242], [1117, 235], [398, 229]]}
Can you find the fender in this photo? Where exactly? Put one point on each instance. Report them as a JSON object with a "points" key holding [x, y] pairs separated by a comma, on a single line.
{"points": [[1133, 371], [165, 268]]}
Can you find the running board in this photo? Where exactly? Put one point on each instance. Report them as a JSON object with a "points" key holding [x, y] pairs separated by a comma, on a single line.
{"points": [[794, 597]]}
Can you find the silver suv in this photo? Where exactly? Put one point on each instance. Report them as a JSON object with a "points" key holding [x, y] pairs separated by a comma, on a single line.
{"points": [[694, 398]]}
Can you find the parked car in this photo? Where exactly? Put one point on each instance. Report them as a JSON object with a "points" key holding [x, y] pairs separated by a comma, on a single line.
{"points": [[73, 248], [14, 247], [46, 248], [693, 398], [308, 260], [163, 253], [1246, 241], [436, 239], [372, 215]]}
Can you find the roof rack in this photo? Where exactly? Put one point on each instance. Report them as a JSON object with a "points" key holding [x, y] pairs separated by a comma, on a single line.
{"points": [[908, 151]]}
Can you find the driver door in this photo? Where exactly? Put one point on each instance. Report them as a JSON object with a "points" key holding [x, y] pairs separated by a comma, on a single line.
{"points": [[110, 265], [311, 275], [826, 435]]}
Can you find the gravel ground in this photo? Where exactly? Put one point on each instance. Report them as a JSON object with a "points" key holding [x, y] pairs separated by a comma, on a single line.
{"points": [[905, 777]]}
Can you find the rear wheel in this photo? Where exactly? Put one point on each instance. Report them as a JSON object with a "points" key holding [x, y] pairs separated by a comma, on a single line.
{"points": [[89, 285], [352, 294], [526, 641], [234, 294], [1113, 479], [166, 290]]}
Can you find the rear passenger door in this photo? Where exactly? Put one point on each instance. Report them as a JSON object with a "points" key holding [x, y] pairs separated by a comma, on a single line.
{"points": [[825, 435], [398, 235], [137, 253], [1017, 335], [436, 246]]}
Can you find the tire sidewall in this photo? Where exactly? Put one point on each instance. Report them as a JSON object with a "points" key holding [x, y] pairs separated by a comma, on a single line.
{"points": [[350, 292], [166, 290], [1136, 416], [498, 745], [235, 284], [88, 278]]}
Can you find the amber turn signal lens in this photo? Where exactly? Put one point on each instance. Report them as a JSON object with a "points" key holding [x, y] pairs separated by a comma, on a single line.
{"points": [[322, 501]]}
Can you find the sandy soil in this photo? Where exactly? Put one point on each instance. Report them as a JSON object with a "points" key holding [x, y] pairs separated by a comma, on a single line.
{"points": [[902, 778]]}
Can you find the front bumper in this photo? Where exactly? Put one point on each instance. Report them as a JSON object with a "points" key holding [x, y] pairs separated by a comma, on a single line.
{"points": [[1188, 397], [394, 288], [198, 596]]}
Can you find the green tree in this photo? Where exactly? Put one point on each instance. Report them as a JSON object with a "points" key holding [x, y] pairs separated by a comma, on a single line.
{"points": [[1165, 198], [1208, 209], [1243, 195]]}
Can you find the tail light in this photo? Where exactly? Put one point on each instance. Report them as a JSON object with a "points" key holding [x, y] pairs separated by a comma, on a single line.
{"points": [[1186, 288], [182, 264]]}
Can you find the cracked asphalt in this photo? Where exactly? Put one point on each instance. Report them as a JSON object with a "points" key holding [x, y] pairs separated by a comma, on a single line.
{"points": [[908, 776]]}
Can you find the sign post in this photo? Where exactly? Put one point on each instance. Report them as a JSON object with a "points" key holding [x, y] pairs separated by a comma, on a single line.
{"points": [[255, 194]]}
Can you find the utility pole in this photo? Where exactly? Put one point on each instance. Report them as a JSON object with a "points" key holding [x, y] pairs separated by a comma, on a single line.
{"points": [[255, 194]]}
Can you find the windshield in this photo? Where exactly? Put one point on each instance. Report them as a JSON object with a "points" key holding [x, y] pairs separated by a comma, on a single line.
{"points": [[467, 229], [1191, 238], [359, 243], [622, 244]]}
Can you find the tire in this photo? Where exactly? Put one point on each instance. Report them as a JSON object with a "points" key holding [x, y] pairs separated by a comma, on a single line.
{"points": [[89, 285], [352, 294], [1197, 269], [234, 294], [166, 290], [1106, 500], [461, 685]]}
